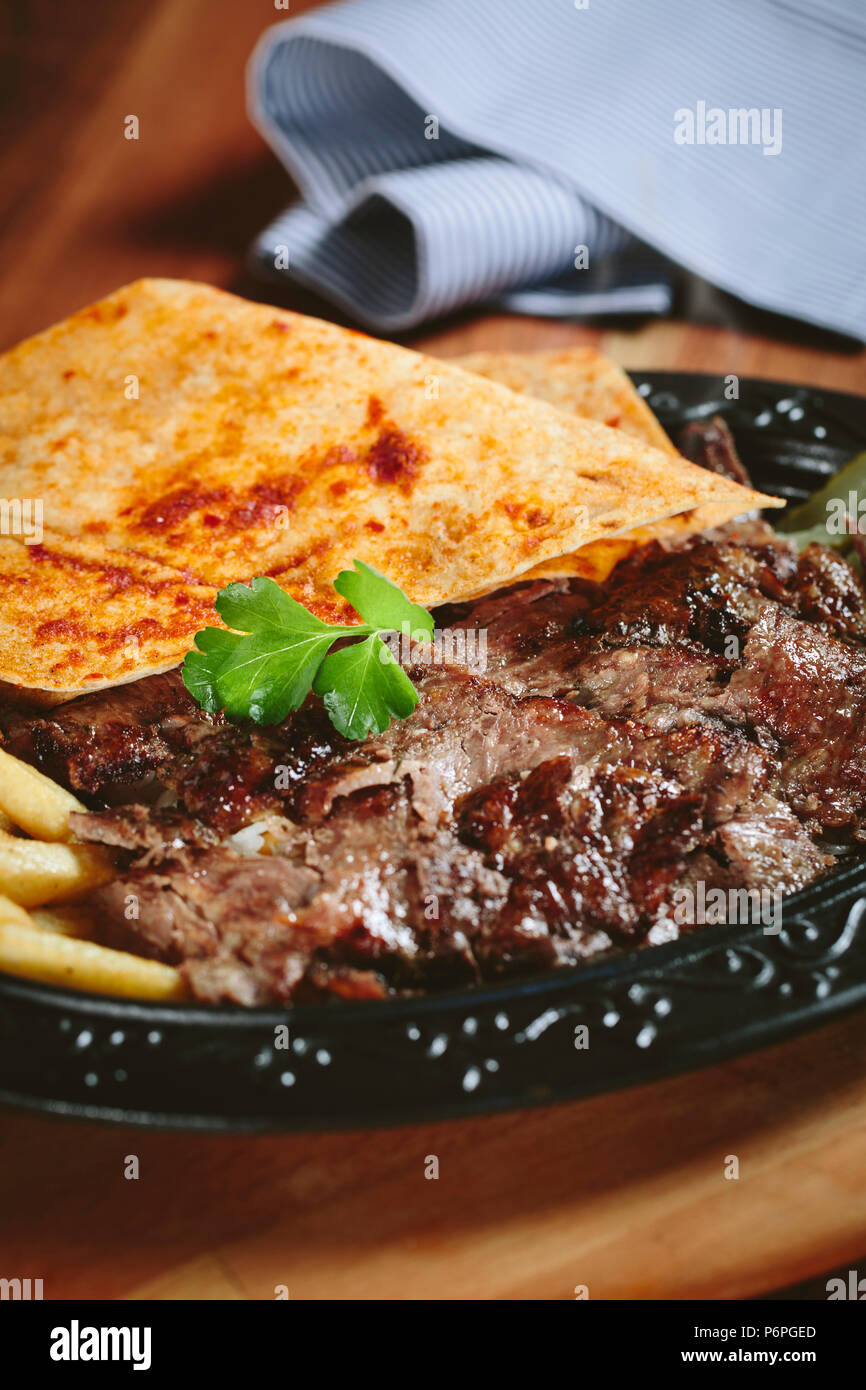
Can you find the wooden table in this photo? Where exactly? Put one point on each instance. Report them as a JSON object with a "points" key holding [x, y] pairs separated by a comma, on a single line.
{"points": [[625, 1194]]}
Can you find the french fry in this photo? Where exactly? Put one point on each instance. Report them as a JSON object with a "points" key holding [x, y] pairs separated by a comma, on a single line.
{"points": [[52, 944], [63, 921], [12, 913], [33, 872], [64, 960], [30, 799]]}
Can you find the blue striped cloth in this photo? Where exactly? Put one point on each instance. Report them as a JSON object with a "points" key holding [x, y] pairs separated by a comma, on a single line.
{"points": [[449, 153]]}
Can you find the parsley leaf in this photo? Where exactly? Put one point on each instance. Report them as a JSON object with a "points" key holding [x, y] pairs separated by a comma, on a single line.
{"points": [[269, 673], [279, 651], [381, 603], [362, 686], [200, 667], [267, 676], [263, 606]]}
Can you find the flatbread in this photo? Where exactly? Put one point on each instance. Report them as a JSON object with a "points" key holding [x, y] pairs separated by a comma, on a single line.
{"points": [[74, 617], [176, 425], [582, 381]]}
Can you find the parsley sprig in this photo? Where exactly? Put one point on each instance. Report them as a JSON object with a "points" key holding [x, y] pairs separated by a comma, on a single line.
{"points": [[278, 651]]}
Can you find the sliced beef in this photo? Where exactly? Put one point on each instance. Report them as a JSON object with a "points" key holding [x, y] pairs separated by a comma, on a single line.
{"points": [[743, 872], [695, 721], [114, 737], [135, 742], [827, 590], [729, 771], [531, 635], [709, 593], [365, 898], [535, 866], [710, 444], [223, 774], [663, 686], [700, 598], [138, 741], [465, 731], [227, 919], [144, 830], [765, 846], [803, 692], [590, 857]]}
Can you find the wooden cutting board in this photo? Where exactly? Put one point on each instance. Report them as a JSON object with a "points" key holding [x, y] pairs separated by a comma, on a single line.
{"points": [[625, 1194]]}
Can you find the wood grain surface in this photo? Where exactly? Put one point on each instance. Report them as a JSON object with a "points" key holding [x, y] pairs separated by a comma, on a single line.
{"points": [[626, 1194]]}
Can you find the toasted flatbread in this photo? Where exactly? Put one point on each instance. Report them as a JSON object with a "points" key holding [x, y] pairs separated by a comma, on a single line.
{"points": [[582, 381], [177, 426], [74, 616]]}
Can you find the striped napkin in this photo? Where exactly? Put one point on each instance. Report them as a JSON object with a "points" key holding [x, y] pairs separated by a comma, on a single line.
{"points": [[562, 157]]}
